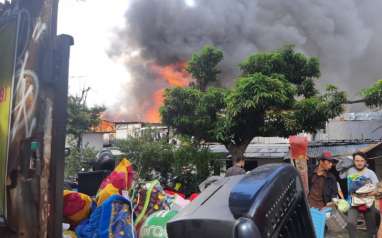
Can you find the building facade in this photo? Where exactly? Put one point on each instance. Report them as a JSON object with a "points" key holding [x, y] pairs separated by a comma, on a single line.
{"points": [[106, 133]]}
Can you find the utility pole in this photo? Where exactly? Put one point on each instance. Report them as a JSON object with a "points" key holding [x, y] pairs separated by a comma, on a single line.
{"points": [[34, 158]]}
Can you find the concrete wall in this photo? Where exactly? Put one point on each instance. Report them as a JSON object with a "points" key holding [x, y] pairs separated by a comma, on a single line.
{"points": [[126, 130], [123, 131], [94, 140]]}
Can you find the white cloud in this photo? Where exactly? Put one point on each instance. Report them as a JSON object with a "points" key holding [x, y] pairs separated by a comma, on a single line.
{"points": [[91, 23]]}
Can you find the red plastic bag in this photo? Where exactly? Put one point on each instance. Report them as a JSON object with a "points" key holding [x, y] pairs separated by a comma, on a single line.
{"points": [[298, 147], [299, 154]]}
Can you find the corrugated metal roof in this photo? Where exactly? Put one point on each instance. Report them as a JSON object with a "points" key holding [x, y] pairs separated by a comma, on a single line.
{"points": [[338, 148], [361, 116], [258, 150]]}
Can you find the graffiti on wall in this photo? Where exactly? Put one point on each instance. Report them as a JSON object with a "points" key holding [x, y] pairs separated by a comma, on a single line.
{"points": [[3, 94], [26, 92], [8, 36], [30, 121]]}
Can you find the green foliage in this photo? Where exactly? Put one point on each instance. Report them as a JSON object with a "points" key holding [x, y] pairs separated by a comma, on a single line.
{"points": [[81, 117], [275, 96], [247, 104], [193, 112], [313, 113], [306, 115], [258, 92], [148, 156], [158, 159], [78, 159], [296, 67], [193, 165], [373, 95], [203, 66]]}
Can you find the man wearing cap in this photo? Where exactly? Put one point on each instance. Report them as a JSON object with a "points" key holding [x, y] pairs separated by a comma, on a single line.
{"points": [[322, 183]]}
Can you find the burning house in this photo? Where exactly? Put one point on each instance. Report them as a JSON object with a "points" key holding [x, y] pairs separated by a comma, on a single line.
{"points": [[145, 106], [107, 132], [100, 136], [137, 121], [153, 48], [124, 130]]}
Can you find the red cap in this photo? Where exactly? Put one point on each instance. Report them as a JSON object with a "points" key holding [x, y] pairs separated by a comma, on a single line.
{"points": [[327, 155]]}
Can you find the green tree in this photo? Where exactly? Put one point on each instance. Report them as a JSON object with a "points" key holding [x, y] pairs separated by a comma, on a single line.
{"points": [[246, 107], [275, 96], [158, 159], [296, 68], [150, 157], [193, 112], [372, 96], [82, 118], [78, 159], [193, 164], [203, 66]]}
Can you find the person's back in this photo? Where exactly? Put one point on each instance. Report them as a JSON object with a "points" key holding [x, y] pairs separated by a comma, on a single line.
{"points": [[234, 170], [237, 168]]}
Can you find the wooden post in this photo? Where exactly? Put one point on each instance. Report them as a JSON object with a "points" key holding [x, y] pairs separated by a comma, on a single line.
{"points": [[299, 154], [37, 130]]}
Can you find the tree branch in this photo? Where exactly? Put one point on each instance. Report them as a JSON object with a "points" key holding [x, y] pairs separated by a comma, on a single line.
{"points": [[84, 95], [355, 101]]}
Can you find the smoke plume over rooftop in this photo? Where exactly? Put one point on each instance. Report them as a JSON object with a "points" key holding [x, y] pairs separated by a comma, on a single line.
{"points": [[344, 34]]}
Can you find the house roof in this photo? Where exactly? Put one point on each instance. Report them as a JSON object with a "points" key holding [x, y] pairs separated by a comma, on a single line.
{"points": [[258, 150], [361, 116], [104, 127], [373, 151], [128, 122], [337, 150], [281, 150], [138, 122]]}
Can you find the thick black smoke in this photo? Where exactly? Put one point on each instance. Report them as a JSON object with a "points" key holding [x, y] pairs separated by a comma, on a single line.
{"points": [[344, 34]]}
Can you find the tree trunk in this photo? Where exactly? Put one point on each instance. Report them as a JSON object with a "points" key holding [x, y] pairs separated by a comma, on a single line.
{"points": [[203, 86], [238, 150], [79, 142]]}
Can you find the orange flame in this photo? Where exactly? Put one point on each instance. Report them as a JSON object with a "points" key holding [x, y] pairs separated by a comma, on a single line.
{"points": [[104, 126], [176, 76], [152, 115]]}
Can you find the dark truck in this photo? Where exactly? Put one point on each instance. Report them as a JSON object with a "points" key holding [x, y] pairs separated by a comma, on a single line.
{"points": [[267, 202]]}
